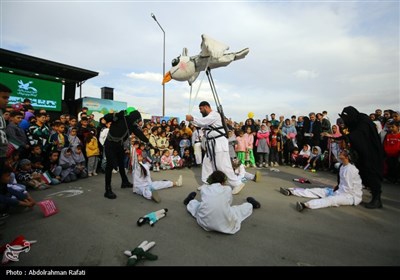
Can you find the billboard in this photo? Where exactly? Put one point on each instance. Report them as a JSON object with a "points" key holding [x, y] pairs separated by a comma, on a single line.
{"points": [[159, 119], [42, 93], [100, 107]]}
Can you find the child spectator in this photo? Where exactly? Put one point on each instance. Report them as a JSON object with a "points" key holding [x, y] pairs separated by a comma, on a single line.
{"points": [[176, 160], [80, 163], [92, 153], [232, 142], [214, 212], [36, 157], [294, 156], [166, 161], [145, 153], [304, 155], [11, 194], [262, 144], [249, 140], [187, 160], [275, 142], [391, 145], [162, 142], [58, 140], [52, 168], [142, 183], [73, 138], [156, 160], [30, 177], [241, 147], [184, 143], [315, 160], [68, 165]]}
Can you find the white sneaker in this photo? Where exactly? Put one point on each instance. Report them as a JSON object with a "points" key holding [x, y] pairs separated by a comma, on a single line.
{"points": [[179, 182], [237, 189], [115, 171], [95, 174], [90, 175]]}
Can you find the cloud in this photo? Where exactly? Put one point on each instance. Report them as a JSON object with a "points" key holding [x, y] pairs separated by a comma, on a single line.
{"points": [[304, 56], [306, 74], [147, 76]]}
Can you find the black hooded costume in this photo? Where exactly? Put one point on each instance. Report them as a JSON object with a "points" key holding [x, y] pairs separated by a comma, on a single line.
{"points": [[121, 128], [365, 141]]}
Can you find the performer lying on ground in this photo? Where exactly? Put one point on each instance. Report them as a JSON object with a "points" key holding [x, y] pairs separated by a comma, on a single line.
{"points": [[347, 192]]}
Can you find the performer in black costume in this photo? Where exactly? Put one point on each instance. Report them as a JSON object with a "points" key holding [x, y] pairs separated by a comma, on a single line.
{"points": [[365, 141], [123, 124]]}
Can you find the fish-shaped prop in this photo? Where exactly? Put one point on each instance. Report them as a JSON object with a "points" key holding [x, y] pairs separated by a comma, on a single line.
{"points": [[212, 55]]}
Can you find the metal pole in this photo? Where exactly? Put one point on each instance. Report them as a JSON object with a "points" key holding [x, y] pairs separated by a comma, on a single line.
{"points": [[155, 19]]}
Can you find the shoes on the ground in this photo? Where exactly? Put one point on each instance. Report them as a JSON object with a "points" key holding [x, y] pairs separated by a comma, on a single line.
{"points": [[257, 176], [285, 191], [155, 196], [300, 206], [110, 195], [253, 202], [179, 182], [95, 174], [126, 185], [114, 171], [237, 189], [190, 197]]}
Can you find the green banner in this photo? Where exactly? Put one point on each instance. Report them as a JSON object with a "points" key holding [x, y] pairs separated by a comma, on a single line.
{"points": [[43, 94]]}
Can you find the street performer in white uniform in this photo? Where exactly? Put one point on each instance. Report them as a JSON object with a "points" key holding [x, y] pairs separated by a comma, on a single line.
{"points": [[216, 145]]}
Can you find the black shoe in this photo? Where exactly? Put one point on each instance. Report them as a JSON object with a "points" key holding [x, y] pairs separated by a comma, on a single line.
{"points": [[285, 191], [126, 185], [253, 202], [109, 193], [190, 197], [300, 206], [374, 203]]}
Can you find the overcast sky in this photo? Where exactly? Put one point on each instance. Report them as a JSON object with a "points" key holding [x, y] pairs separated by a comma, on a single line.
{"points": [[304, 55]]}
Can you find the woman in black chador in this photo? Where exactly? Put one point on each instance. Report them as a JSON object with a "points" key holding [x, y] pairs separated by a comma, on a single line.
{"points": [[365, 141], [123, 124]]}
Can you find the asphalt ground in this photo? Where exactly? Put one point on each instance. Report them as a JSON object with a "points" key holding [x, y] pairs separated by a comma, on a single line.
{"points": [[90, 230]]}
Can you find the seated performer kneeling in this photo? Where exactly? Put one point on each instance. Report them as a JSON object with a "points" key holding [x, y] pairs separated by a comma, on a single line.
{"points": [[215, 212], [347, 192], [142, 183]]}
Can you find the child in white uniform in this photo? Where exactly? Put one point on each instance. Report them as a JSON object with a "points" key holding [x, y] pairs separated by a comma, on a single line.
{"points": [[214, 211], [142, 183], [347, 192]]}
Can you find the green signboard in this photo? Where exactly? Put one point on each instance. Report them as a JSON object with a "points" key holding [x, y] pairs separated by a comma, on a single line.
{"points": [[43, 94]]}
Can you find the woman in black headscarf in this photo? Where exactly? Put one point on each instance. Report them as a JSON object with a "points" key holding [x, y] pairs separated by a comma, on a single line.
{"points": [[364, 140]]}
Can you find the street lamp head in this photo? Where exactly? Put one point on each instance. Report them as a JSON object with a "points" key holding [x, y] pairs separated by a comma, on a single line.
{"points": [[153, 16]]}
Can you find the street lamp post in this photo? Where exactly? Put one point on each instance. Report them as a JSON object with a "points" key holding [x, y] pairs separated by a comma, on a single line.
{"points": [[163, 106]]}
